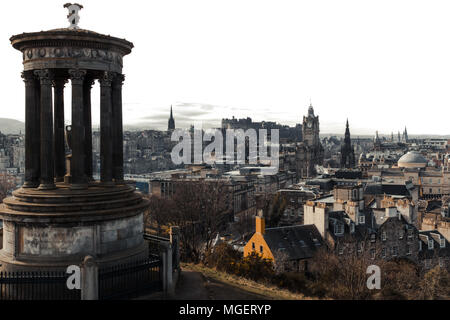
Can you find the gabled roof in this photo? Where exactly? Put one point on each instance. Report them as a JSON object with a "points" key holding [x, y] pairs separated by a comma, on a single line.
{"points": [[298, 242]]}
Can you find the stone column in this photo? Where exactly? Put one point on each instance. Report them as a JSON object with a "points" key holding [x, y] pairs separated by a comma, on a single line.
{"points": [[167, 280], [47, 157], [106, 142], [60, 150], [89, 279], [77, 163], [32, 141], [88, 83], [117, 128]]}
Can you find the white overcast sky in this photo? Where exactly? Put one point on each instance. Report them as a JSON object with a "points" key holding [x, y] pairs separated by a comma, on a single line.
{"points": [[383, 64]]}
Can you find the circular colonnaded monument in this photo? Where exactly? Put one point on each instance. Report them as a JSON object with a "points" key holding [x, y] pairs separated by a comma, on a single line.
{"points": [[61, 214]]}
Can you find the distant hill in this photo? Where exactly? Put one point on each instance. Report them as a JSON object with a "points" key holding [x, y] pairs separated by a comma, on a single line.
{"points": [[11, 126]]}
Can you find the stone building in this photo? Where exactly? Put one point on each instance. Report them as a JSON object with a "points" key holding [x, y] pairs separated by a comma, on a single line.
{"points": [[432, 183], [388, 230], [287, 134], [240, 192], [310, 152], [290, 247], [434, 249]]}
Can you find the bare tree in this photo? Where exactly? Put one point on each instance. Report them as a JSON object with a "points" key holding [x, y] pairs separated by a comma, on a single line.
{"points": [[158, 214], [201, 210]]}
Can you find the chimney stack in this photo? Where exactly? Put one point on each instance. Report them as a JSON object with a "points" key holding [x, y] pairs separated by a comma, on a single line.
{"points": [[260, 222]]}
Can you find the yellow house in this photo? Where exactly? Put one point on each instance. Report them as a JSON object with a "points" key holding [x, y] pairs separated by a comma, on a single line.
{"points": [[294, 244], [257, 243]]}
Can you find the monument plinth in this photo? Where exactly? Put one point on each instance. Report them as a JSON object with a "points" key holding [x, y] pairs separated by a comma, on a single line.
{"points": [[52, 222]]}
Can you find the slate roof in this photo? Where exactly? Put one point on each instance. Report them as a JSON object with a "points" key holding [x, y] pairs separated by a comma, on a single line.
{"points": [[388, 189], [296, 241], [348, 174], [426, 253], [341, 217]]}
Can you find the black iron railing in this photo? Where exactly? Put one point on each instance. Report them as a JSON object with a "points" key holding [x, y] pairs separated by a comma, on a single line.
{"points": [[130, 280], [123, 281], [39, 285]]}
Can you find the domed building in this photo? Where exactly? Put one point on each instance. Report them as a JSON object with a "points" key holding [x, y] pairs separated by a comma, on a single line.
{"points": [[412, 159]]}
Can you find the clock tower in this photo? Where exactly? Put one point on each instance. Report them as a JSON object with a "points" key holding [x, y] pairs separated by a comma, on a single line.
{"points": [[311, 128], [309, 153]]}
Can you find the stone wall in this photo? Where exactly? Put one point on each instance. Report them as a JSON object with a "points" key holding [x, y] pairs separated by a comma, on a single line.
{"points": [[106, 237]]}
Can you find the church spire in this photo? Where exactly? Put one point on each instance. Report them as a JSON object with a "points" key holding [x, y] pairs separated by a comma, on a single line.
{"points": [[171, 125], [347, 150], [347, 132]]}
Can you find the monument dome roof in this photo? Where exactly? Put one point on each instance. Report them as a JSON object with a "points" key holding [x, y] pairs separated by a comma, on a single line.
{"points": [[412, 158]]}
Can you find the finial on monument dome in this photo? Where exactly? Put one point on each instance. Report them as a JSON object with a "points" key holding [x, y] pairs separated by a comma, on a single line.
{"points": [[73, 16]]}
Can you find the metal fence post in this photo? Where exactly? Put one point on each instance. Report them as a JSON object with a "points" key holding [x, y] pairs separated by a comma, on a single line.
{"points": [[89, 279], [175, 241], [167, 268]]}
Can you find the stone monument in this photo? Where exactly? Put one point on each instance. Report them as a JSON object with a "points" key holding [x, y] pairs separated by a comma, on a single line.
{"points": [[51, 223]]}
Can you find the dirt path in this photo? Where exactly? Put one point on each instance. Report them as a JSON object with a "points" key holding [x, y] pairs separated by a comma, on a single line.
{"points": [[194, 285]]}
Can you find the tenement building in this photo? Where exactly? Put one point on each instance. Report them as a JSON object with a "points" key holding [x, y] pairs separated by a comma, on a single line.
{"points": [[61, 215], [309, 153]]}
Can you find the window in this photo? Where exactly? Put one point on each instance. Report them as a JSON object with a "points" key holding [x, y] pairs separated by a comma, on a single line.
{"points": [[383, 252], [352, 228], [430, 244], [383, 236], [373, 237], [420, 245], [410, 233], [261, 249], [408, 250], [362, 219], [341, 249], [400, 234], [427, 263], [442, 240], [441, 262], [253, 246], [394, 251], [372, 254], [338, 228], [360, 247]]}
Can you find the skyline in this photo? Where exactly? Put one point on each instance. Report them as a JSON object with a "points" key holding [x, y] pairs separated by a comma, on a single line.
{"points": [[382, 66]]}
